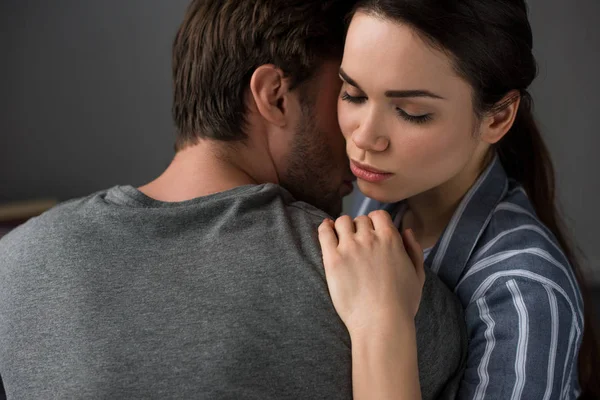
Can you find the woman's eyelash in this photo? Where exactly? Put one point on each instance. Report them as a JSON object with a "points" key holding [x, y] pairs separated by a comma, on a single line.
{"points": [[353, 99], [416, 119]]}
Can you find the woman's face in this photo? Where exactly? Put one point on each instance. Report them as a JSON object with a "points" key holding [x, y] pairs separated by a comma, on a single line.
{"points": [[404, 112]]}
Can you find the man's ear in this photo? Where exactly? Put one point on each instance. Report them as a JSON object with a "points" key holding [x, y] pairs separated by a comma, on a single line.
{"points": [[496, 124], [270, 90]]}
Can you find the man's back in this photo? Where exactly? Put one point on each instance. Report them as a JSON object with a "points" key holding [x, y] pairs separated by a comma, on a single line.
{"points": [[120, 296]]}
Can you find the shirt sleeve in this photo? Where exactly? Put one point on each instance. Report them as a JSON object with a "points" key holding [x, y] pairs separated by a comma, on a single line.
{"points": [[524, 337]]}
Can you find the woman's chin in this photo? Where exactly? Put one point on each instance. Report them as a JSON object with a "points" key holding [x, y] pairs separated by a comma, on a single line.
{"points": [[379, 192]]}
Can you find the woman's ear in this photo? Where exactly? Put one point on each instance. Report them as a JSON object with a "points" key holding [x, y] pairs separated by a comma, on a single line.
{"points": [[497, 123], [270, 90]]}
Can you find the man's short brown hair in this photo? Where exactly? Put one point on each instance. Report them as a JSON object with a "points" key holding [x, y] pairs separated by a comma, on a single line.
{"points": [[221, 43]]}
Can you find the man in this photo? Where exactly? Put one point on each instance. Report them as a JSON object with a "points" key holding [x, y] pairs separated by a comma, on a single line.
{"points": [[207, 282]]}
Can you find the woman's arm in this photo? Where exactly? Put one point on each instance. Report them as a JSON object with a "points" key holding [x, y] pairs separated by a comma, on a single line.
{"points": [[384, 363], [375, 283], [524, 337]]}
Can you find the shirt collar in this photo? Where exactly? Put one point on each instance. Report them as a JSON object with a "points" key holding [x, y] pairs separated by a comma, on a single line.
{"points": [[450, 255]]}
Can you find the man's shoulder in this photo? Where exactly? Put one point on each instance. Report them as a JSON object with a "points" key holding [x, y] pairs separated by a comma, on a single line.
{"points": [[51, 226], [297, 212], [305, 211], [273, 213]]}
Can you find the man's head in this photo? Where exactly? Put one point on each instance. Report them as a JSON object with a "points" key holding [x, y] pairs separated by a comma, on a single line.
{"points": [[262, 75]]}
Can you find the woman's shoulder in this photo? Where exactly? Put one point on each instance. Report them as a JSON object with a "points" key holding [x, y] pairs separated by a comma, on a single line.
{"points": [[515, 244], [514, 226]]}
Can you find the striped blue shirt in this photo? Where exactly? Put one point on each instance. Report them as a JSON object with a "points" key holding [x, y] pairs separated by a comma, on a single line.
{"points": [[523, 306]]}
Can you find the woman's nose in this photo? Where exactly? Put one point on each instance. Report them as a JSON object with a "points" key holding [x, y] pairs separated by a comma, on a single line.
{"points": [[366, 138]]}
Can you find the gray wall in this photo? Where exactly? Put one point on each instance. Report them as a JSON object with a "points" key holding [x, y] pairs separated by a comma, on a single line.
{"points": [[85, 94], [567, 96], [85, 98]]}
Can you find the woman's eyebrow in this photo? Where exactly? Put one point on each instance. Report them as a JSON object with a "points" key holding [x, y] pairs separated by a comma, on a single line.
{"points": [[393, 93]]}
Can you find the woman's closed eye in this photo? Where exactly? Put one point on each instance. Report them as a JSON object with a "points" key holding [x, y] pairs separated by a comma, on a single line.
{"points": [[353, 99], [416, 119]]}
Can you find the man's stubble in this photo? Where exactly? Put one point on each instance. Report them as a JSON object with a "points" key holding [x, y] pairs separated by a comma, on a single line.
{"points": [[311, 173]]}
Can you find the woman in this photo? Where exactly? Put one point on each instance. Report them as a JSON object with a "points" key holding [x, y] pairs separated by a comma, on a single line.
{"points": [[438, 122]]}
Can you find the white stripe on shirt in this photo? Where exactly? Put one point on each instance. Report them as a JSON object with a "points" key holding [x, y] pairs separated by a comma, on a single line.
{"points": [[519, 189], [363, 206], [490, 343], [487, 284], [533, 228], [441, 252], [566, 385], [506, 206], [553, 341], [499, 257], [521, 358]]}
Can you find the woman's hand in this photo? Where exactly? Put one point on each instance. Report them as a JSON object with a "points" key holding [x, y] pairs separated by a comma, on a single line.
{"points": [[375, 277], [375, 280]]}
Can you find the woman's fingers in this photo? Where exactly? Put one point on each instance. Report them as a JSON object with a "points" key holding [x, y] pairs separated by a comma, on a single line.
{"points": [[372, 277], [363, 224], [327, 237], [383, 224], [344, 227]]}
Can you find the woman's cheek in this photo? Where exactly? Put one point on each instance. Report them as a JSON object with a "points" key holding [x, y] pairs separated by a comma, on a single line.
{"points": [[345, 119]]}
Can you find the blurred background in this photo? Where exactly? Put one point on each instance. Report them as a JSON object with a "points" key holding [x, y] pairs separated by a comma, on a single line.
{"points": [[85, 97]]}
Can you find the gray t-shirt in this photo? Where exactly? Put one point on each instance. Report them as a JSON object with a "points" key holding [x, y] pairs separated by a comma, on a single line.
{"points": [[119, 296]]}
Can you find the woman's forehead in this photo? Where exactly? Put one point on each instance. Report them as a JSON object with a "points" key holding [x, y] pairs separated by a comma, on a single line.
{"points": [[381, 53]]}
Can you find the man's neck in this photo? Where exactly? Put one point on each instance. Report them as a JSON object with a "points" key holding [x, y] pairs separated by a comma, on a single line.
{"points": [[202, 170]]}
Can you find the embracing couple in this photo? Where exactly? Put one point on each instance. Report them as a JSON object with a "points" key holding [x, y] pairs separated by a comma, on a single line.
{"points": [[230, 276]]}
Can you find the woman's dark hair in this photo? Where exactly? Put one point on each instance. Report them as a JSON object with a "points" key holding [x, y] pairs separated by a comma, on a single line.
{"points": [[491, 45]]}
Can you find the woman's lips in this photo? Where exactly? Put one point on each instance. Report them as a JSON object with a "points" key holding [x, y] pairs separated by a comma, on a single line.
{"points": [[368, 173]]}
